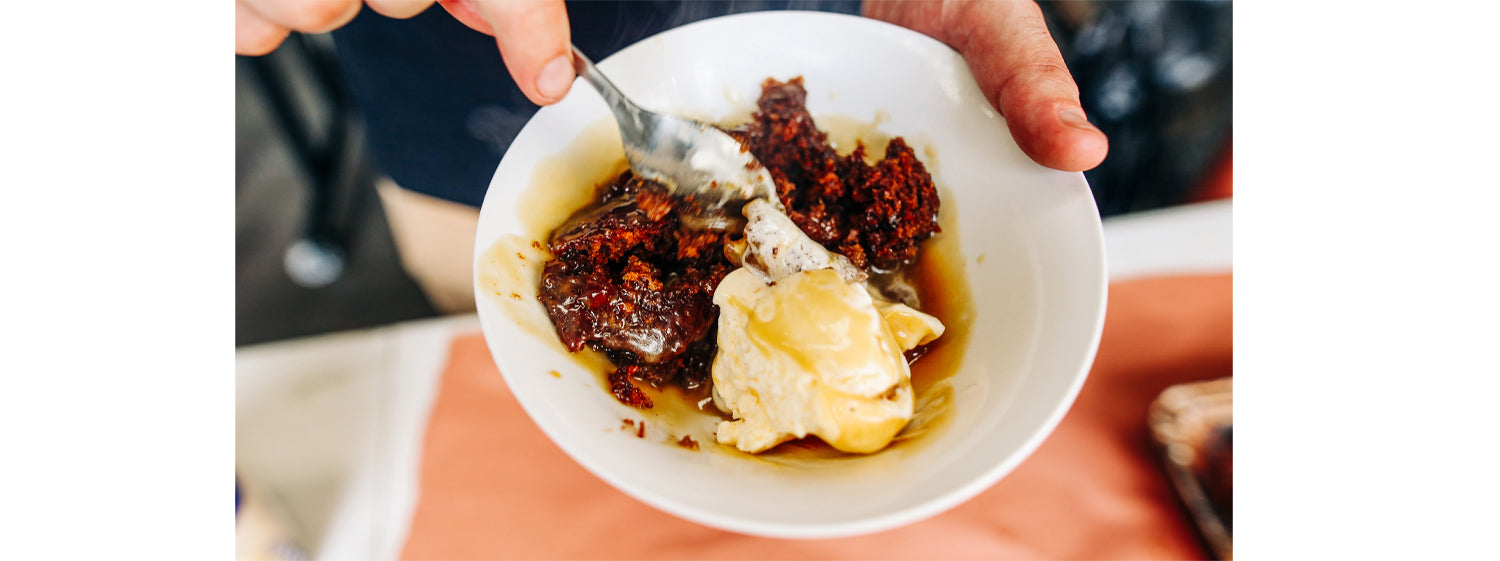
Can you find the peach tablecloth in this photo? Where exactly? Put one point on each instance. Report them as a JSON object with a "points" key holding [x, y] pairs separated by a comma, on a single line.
{"points": [[493, 486]]}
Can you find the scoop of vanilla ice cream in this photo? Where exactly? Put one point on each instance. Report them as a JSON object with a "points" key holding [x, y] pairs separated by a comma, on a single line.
{"points": [[806, 348], [808, 355]]}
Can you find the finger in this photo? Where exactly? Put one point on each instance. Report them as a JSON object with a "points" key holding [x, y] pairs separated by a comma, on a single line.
{"points": [[534, 40], [254, 35], [399, 9], [468, 14], [307, 16], [1018, 67]]}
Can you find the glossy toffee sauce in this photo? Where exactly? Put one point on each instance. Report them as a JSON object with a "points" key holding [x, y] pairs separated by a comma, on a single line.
{"points": [[510, 273]]}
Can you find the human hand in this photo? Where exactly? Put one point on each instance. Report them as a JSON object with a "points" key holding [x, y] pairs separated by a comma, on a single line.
{"points": [[1019, 69], [533, 35]]}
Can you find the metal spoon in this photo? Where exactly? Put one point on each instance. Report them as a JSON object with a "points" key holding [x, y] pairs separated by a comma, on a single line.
{"points": [[698, 164]]}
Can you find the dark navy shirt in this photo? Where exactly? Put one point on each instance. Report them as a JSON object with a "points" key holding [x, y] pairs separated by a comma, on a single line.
{"points": [[439, 106]]}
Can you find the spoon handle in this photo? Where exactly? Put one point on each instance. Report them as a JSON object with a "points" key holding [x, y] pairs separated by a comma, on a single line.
{"points": [[617, 101]]}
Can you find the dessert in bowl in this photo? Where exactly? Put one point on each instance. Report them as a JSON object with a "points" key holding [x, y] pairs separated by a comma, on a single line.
{"points": [[1015, 274]]}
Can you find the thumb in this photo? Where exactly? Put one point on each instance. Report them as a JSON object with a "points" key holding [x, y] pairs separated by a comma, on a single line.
{"points": [[1020, 70], [534, 40]]}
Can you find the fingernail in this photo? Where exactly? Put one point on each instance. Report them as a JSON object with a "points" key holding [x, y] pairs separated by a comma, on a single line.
{"points": [[1073, 117], [555, 79]]}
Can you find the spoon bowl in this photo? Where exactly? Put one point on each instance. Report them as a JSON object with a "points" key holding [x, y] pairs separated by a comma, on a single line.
{"points": [[699, 164]]}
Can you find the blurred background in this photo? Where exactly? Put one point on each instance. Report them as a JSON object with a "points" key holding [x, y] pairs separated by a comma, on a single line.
{"points": [[314, 252]]}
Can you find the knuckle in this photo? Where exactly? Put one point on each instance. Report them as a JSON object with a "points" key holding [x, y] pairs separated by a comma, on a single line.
{"points": [[1050, 77], [257, 46], [1051, 71], [317, 16], [1035, 83], [399, 9]]}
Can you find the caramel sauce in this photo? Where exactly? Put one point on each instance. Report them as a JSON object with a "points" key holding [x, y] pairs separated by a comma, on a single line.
{"points": [[510, 271], [566, 182]]}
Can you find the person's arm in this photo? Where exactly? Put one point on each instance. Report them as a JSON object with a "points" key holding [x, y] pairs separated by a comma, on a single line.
{"points": [[1018, 67]]}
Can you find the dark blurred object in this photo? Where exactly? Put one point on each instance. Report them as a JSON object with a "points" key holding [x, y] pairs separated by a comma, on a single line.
{"points": [[1156, 77], [1194, 423], [321, 134], [282, 199]]}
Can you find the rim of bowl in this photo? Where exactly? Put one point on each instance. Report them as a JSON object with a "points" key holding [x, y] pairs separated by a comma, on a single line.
{"points": [[938, 503]]}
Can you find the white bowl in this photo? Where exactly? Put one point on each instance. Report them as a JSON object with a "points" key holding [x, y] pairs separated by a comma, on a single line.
{"points": [[1030, 239]]}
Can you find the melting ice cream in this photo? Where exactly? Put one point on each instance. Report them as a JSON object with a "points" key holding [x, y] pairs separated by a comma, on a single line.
{"points": [[806, 347]]}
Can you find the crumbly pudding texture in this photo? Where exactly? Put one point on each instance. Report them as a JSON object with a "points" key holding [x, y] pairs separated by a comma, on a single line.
{"points": [[628, 278]]}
